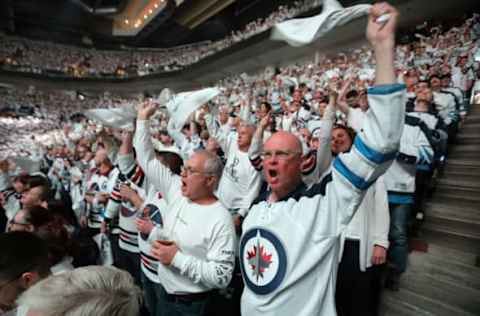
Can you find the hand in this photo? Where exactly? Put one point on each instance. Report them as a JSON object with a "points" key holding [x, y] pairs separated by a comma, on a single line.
{"points": [[127, 192], [164, 251], [83, 222], [146, 110], [379, 255], [144, 226], [380, 33], [333, 96], [265, 121], [89, 198], [104, 227]]}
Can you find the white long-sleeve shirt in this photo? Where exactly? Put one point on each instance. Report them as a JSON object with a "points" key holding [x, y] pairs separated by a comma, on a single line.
{"points": [[370, 224], [289, 248], [204, 234]]}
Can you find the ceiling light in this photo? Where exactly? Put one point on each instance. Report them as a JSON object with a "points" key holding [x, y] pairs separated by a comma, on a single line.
{"points": [[145, 16], [155, 5], [126, 21], [150, 11]]}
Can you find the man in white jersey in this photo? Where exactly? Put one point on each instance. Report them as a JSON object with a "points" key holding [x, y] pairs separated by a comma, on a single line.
{"points": [[196, 244], [240, 182], [290, 241]]}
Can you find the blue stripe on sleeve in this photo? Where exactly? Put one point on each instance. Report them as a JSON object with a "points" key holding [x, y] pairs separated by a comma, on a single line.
{"points": [[371, 154], [386, 89], [357, 181]]}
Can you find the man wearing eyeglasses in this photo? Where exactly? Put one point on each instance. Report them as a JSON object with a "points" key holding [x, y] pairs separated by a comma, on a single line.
{"points": [[23, 262], [290, 242], [196, 243]]}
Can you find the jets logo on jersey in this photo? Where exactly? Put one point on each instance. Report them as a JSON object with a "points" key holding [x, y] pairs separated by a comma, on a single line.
{"points": [[263, 261], [151, 212]]}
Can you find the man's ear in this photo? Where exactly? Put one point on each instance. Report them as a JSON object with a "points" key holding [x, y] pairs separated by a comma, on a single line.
{"points": [[212, 181], [28, 279]]}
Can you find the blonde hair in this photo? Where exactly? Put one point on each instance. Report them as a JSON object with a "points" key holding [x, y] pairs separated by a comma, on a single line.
{"points": [[92, 290]]}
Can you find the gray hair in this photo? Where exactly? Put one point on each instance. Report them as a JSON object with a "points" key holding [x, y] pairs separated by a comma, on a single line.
{"points": [[92, 290], [213, 164]]}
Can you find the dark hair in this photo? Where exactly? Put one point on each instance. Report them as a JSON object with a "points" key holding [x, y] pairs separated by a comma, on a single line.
{"points": [[434, 76], [37, 216], [22, 252], [23, 179], [267, 105], [424, 81], [173, 161], [350, 131], [42, 183], [352, 94]]}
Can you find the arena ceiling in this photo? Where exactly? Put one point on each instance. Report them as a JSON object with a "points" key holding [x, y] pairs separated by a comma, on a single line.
{"points": [[137, 23]]}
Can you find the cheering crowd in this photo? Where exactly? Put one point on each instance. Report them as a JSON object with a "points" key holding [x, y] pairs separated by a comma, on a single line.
{"points": [[38, 57], [270, 200]]}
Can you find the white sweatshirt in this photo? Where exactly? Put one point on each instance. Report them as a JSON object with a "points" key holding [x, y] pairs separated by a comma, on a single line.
{"points": [[204, 234], [289, 249], [371, 223]]}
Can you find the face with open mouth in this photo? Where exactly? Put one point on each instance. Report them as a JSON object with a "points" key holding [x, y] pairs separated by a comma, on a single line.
{"points": [[195, 182], [282, 160]]}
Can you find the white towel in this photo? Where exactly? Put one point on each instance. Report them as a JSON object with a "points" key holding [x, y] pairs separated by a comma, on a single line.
{"points": [[183, 104], [299, 32], [121, 117]]}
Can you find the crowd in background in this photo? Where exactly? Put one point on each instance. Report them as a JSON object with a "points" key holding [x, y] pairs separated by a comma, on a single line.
{"points": [[93, 183], [35, 56]]}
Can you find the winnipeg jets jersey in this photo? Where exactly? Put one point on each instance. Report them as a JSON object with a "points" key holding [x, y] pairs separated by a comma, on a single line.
{"points": [[289, 248]]}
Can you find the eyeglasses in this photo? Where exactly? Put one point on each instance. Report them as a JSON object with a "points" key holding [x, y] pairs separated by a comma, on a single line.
{"points": [[280, 154], [189, 171]]}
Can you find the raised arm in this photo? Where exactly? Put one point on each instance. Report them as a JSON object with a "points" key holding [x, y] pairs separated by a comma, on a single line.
{"points": [[376, 146], [221, 136], [160, 176]]}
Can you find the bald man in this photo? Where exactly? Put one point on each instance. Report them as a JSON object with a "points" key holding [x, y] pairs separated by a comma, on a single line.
{"points": [[290, 242], [195, 243]]}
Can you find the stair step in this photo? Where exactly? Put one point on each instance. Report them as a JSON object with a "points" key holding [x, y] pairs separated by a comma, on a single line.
{"points": [[401, 303], [451, 207], [466, 138], [455, 203], [438, 290], [408, 303], [473, 150], [463, 162], [449, 237], [461, 193], [473, 184], [474, 118], [471, 129], [459, 171], [445, 268], [454, 255], [460, 154]]}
